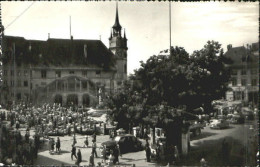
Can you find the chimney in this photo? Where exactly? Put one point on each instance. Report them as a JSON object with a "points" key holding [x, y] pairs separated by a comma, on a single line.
{"points": [[229, 47], [48, 35], [71, 37]]}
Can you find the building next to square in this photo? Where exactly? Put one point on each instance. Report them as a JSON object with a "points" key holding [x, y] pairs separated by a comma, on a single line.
{"points": [[66, 71], [244, 85]]}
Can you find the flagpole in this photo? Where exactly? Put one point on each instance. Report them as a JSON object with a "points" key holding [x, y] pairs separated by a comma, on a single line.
{"points": [[170, 25]]}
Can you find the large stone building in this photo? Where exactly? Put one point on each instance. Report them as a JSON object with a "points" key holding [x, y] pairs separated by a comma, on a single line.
{"points": [[66, 71], [244, 73]]}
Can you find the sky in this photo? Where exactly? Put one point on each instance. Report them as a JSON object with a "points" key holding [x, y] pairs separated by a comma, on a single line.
{"points": [[146, 23]]}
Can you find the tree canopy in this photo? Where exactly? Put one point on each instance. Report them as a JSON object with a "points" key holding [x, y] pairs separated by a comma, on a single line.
{"points": [[166, 83]]}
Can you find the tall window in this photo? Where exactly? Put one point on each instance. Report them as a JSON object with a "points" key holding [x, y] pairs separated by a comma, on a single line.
{"points": [[12, 83], [84, 73], [254, 82], [25, 73], [58, 74], [5, 73], [18, 96], [25, 83], [243, 82], [233, 72], [254, 71], [125, 68], [18, 83], [43, 73], [12, 73], [18, 73], [243, 72], [234, 81]]}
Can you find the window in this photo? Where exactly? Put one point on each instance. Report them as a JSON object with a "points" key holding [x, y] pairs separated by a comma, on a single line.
{"points": [[5, 82], [18, 96], [12, 83], [43, 73], [71, 72], [18, 83], [98, 73], [12, 73], [25, 83], [234, 81], [25, 73], [125, 68], [18, 73], [243, 82], [254, 82], [5, 73], [84, 85], [233, 72], [254, 71], [243, 72], [58, 74], [84, 73]]}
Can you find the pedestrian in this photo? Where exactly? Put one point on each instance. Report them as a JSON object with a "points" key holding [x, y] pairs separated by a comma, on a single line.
{"points": [[79, 159], [91, 160], [94, 146], [17, 125], [111, 158], [158, 150], [58, 145], [27, 136], [86, 142], [73, 152], [116, 154], [74, 140], [148, 153], [104, 154], [52, 145], [94, 136]]}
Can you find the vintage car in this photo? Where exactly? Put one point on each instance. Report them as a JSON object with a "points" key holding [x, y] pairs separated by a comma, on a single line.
{"points": [[127, 143], [218, 124]]}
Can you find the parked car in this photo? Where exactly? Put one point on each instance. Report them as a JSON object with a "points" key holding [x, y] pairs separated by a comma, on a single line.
{"points": [[127, 143], [248, 113], [218, 124], [237, 119]]}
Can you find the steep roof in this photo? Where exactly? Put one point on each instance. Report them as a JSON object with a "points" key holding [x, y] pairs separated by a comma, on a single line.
{"points": [[59, 52], [240, 55]]}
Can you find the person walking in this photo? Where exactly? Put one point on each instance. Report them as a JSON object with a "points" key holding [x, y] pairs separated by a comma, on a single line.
{"points": [[104, 155], [148, 152], [94, 137], [79, 159], [58, 145], [116, 154], [73, 152], [74, 140], [91, 160], [86, 142], [94, 146]]}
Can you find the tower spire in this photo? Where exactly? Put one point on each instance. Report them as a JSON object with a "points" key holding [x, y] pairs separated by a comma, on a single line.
{"points": [[117, 25], [124, 34]]}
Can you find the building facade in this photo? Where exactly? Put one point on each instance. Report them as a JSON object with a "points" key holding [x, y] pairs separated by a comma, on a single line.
{"points": [[244, 84], [66, 71]]}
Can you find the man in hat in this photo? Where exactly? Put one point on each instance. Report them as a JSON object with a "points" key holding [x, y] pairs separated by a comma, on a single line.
{"points": [[79, 159], [94, 146], [73, 152], [91, 160]]}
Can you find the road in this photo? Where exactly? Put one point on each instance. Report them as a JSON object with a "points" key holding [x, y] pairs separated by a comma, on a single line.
{"points": [[209, 139]]}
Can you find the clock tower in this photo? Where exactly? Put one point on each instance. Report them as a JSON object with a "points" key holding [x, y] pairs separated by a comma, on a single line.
{"points": [[118, 46]]}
